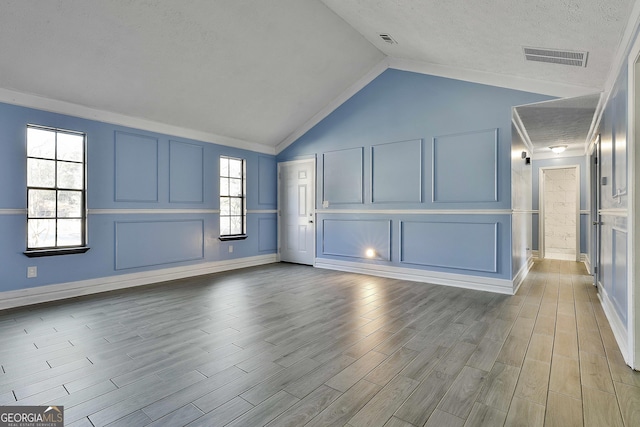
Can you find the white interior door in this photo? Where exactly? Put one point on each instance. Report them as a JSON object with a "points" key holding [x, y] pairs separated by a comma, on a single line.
{"points": [[296, 204]]}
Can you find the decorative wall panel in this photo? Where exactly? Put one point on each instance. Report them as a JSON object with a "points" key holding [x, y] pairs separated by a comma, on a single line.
{"points": [[136, 168], [465, 167], [465, 246], [146, 243], [396, 172], [186, 178], [351, 238], [342, 177]]}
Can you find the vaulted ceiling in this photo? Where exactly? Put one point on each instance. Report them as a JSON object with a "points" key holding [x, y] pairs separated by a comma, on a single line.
{"points": [[255, 73]]}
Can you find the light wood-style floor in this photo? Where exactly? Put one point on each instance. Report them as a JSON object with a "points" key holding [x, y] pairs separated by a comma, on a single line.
{"points": [[289, 345]]}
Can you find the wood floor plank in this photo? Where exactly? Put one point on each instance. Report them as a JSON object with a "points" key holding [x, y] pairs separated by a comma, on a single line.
{"points": [[420, 405], [224, 414], [382, 406], [388, 369], [346, 406], [565, 376], [266, 411], [443, 419], [600, 408], [463, 392], [353, 373], [629, 401], [500, 386], [563, 411], [485, 416], [523, 412], [307, 408]]}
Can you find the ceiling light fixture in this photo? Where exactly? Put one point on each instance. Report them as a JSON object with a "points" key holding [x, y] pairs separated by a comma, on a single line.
{"points": [[558, 148]]}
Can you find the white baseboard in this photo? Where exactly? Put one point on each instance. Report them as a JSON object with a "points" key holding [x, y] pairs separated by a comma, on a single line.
{"points": [[519, 277], [587, 262], [40, 294], [535, 254], [617, 326], [478, 283]]}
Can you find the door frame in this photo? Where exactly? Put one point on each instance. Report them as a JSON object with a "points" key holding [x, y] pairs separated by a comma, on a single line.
{"points": [[311, 160], [541, 203], [594, 209], [633, 206]]}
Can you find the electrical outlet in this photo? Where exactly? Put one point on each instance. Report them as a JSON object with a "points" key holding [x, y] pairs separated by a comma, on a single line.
{"points": [[230, 248], [32, 272]]}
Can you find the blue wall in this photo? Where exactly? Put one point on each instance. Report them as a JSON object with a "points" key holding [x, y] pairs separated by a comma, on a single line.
{"points": [[404, 148], [584, 191], [131, 169]]}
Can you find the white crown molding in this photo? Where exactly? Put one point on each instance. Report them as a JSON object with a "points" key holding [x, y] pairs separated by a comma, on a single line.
{"points": [[522, 131], [76, 110], [560, 90], [377, 69], [40, 294], [479, 283]]}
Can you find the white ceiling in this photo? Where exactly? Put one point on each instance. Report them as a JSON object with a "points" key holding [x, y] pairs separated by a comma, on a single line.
{"points": [[263, 71]]}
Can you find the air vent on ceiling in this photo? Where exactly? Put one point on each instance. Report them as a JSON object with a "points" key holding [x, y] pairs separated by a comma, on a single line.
{"points": [[387, 38], [553, 56]]}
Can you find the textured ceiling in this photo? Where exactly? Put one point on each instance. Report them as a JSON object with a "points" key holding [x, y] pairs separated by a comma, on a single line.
{"points": [[559, 122], [489, 35], [263, 71]]}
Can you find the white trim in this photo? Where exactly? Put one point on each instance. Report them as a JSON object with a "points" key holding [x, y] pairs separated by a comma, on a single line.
{"points": [[522, 131], [151, 211], [76, 110], [478, 283], [13, 211], [521, 275], [619, 331], [587, 262], [262, 211], [416, 211], [613, 212], [585, 212], [560, 90], [40, 294], [535, 254], [377, 69], [590, 141], [525, 211], [625, 42]]}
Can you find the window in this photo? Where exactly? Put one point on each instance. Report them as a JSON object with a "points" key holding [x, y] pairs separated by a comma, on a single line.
{"points": [[56, 196], [232, 198]]}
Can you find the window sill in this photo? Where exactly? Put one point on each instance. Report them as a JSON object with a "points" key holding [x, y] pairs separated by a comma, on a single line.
{"points": [[234, 237], [52, 252]]}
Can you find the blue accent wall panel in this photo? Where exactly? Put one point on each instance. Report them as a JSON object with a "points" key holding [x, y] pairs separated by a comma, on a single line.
{"points": [[267, 234], [396, 172], [343, 176], [268, 183], [465, 167], [186, 172], [464, 246], [141, 243], [351, 238], [136, 168]]}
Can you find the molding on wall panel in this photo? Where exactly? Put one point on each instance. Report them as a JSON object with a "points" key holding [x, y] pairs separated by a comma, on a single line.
{"points": [[377, 69], [151, 211], [585, 211], [522, 274], [13, 211], [262, 211], [613, 212], [22, 297], [67, 108], [499, 80], [417, 211], [478, 283], [525, 211], [535, 254], [617, 326]]}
